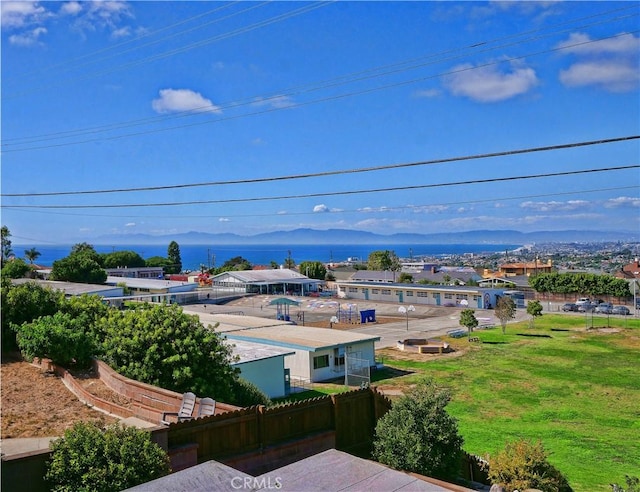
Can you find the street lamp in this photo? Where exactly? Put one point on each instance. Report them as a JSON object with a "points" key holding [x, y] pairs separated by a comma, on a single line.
{"points": [[406, 310]]}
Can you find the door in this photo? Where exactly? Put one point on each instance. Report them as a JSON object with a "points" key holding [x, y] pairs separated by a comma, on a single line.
{"points": [[366, 294], [287, 382], [400, 296]]}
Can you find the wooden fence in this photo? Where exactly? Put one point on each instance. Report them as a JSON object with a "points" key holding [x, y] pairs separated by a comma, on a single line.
{"points": [[348, 418]]}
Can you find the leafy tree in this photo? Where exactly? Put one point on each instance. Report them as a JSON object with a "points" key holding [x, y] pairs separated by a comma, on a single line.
{"points": [[173, 255], [236, 263], [89, 459], [405, 278], [468, 319], [32, 254], [123, 259], [15, 268], [505, 310], [274, 264], [524, 465], [86, 250], [580, 284], [418, 434], [22, 304], [534, 309], [162, 346], [157, 261], [60, 337], [313, 269], [5, 244], [383, 260], [78, 268]]}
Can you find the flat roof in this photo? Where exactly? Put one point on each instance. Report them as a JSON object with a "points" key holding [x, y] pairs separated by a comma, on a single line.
{"points": [[233, 322], [149, 283], [429, 288], [74, 288], [252, 351], [301, 337], [330, 471]]}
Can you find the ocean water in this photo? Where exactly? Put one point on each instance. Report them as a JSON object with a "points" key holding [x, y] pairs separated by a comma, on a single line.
{"points": [[215, 256]]}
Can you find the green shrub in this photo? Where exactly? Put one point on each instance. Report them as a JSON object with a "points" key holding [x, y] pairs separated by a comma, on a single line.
{"points": [[60, 337], [87, 458], [418, 434], [523, 465], [245, 394], [22, 304]]}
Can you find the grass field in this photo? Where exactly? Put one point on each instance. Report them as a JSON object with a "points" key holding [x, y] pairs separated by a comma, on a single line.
{"points": [[576, 390]]}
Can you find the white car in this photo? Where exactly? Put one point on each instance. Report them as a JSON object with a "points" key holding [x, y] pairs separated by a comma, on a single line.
{"points": [[583, 300]]}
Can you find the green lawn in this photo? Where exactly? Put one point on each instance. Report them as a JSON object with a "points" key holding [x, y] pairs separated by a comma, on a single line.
{"points": [[577, 391]]}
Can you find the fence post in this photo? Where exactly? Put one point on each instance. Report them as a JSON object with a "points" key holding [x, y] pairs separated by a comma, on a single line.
{"points": [[260, 426]]}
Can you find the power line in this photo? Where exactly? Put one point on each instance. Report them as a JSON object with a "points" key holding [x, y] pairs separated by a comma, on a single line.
{"points": [[337, 193], [334, 173], [331, 211], [290, 92]]}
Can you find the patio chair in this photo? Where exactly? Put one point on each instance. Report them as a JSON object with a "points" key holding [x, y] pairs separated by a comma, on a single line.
{"points": [[186, 409], [207, 407]]}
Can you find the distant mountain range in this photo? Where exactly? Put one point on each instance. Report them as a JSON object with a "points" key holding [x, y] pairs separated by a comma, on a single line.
{"points": [[348, 236]]}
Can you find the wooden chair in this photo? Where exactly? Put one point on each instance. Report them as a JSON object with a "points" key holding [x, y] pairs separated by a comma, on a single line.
{"points": [[186, 409], [207, 407]]}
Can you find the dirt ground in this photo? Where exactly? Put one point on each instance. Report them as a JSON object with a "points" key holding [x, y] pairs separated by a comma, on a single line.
{"points": [[37, 404]]}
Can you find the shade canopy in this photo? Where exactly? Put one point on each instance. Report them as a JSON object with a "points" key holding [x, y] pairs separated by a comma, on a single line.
{"points": [[284, 301]]}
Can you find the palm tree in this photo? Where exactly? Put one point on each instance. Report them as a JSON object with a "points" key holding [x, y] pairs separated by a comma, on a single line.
{"points": [[32, 254]]}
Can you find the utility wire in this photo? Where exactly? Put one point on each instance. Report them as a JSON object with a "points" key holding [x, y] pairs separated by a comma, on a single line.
{"points": [[341, 80], [334, 173], [338, 193], [321, 100], [381, 209]]}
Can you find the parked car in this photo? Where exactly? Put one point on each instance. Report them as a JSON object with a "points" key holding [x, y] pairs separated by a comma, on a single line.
{"points": [[570, 306], [604, 308], [586, 307], [624, 310], [583, 300]]}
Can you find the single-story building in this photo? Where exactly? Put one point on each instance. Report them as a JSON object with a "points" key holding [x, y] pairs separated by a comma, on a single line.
{"points": [[435, 295], [72, 289], [320, 353], [263, 365], [274, 281], [136, 272], [156, 290]]}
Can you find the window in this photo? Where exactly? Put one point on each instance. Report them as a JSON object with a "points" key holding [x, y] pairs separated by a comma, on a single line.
{"points": [[321, 361], [423, 294], [353, 289], [375, 291], [448, 296], [386, 292], [409, 293]]}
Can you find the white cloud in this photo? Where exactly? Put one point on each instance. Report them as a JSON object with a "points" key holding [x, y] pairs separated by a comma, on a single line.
{"points": [[555, 206], [27, 38], [611, 64], [321, 208], [611, 75], [130, 224], [224, 219], [430, 209], [488, 84], [21, 14], [623, 201], [276, 102], [71, 8], [177, 100], [123, 32]]}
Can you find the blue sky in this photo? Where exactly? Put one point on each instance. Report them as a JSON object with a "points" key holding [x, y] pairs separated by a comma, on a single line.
{"points": [[252, 117]]}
